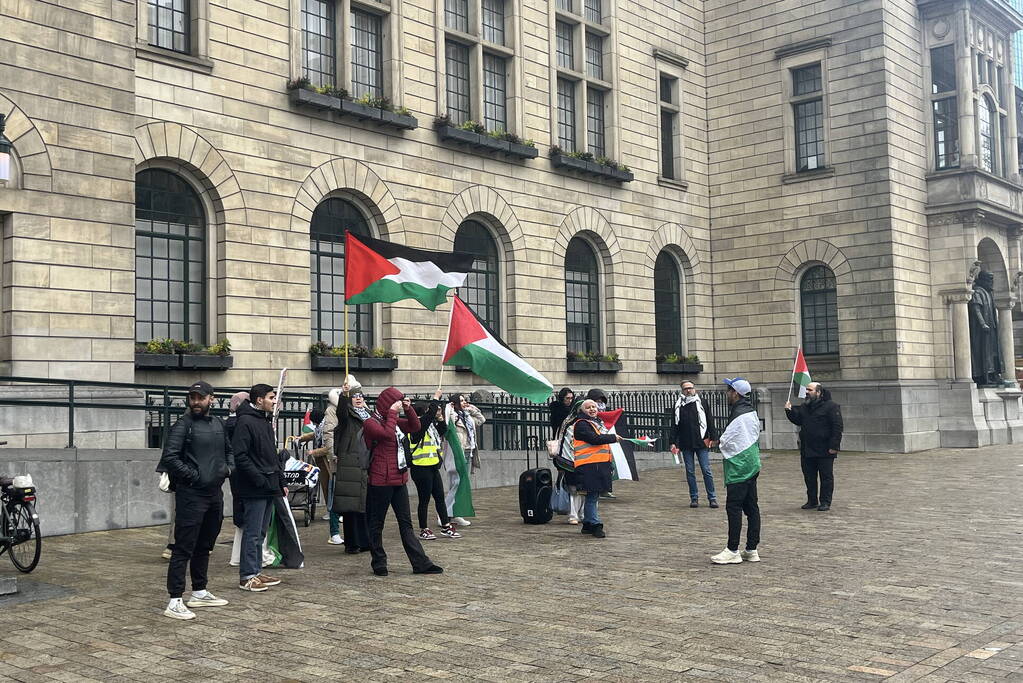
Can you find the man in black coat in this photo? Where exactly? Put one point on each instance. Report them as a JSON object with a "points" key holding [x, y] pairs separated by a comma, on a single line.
{"points": [[820, 438], [693, 430], [197, 457], [260, 479]]}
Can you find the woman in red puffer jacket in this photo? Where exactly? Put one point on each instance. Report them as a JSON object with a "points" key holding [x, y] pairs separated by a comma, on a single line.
{"points": [[388, 474]]}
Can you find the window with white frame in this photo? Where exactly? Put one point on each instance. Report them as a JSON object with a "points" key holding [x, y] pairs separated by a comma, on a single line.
{"points": [[478, 62], [357, 32], [582, 40]]}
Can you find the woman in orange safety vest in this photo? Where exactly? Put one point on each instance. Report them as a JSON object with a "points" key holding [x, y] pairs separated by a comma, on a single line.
{"points": [[592, 445]]}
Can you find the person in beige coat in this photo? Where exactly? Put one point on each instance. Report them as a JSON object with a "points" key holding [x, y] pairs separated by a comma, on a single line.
{"points": [[468, 420]]}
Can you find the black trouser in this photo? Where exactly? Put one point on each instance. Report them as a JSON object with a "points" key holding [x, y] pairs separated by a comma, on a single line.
{"points": [[355, 530], [812, 467], [378, 499], [428, 482], [198, 516], [742, 498]]}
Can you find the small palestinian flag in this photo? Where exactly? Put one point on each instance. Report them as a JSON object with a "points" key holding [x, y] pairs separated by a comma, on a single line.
{"points": [[378, 271], [643, 441], [471, 344], [801, 373], [307, 422]]}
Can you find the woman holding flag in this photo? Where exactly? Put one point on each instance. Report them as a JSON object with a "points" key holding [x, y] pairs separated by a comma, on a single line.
{"points": [[467, 421], [592, 446]]}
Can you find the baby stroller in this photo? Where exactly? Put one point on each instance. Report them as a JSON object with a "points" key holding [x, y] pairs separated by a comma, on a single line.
{"points": [[302, 478]]}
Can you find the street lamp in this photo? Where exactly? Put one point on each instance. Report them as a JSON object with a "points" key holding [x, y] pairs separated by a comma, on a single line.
{"points": [[5, 153]]}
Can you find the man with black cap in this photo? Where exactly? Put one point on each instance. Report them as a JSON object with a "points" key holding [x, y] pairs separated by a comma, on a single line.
{"points": [[198, 458]]}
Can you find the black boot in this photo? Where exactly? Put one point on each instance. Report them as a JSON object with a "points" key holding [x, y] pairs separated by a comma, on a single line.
{"points": [[598, 531], [587, 528], [809, 506]]}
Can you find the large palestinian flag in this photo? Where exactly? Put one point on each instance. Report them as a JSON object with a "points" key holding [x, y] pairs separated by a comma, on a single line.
{"points": [[378, 271], [459, 496], [740, 448], [471, 344], [623, 457]]}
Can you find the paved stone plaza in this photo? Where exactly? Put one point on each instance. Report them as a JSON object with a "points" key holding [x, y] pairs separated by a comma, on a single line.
{"points": [[913, 575]]}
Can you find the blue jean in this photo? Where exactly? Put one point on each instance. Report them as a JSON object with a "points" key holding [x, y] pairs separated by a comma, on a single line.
{"points": [[708, 478], [255, 522], [590, 515], [335, 519]]}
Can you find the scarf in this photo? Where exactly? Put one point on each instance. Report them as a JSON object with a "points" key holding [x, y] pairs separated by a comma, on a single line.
{"points": [[361, 413], [686, 400], [470, 429]]}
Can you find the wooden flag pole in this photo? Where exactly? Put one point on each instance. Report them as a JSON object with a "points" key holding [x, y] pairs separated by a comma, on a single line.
{"points": [[793, 375], [451, 316]]}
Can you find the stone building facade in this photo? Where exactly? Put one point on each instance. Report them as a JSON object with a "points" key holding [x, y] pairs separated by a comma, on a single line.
{"points": [[792, 177]]}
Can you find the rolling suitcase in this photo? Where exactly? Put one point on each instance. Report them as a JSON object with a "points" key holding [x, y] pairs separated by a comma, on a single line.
{"points": [[535, 489]]}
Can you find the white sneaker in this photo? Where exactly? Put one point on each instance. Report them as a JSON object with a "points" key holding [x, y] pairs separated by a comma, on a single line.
{"points": [[750, 556], [207, 600], [177, 610], [726, 556], [325, 518], [450, 532], [336, 540], [166, 554], [460, 521], [427, 535]]}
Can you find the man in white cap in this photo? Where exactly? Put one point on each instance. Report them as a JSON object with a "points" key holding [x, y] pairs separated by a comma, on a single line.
{"points": [[741, 454]]}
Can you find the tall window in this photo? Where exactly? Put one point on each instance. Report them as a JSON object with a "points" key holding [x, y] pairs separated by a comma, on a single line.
{"points": [[992, 107], [482, 287], [332, 28], [671, 136], [327, 275], [945, 108], [367, 55], [986, 117], [566, 115], [476, 35], [169, 24], [808, 111], [581, 76], [582, 305], [170, 258], [818, 306], [668, 311]]}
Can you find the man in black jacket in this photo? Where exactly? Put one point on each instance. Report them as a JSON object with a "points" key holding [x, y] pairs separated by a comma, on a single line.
{"points": [[197, 457], [260, 479], [693, 431], [820, 438]]}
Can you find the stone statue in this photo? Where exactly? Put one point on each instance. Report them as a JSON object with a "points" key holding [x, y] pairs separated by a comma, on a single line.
{"points": [[984, 347]]}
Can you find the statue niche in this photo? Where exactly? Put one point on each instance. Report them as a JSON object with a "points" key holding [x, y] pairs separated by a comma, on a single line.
{"points": [[985, 351]]}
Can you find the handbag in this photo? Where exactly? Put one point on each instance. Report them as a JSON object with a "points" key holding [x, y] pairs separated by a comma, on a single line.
{"points": [[561, 500]]}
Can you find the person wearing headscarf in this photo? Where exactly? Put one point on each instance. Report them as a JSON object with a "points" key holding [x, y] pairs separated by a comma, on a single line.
{"points": [[561, 408], [323, 455], [468, 420], [350, 456], [424, 447], [592, 445], [384, 433]]}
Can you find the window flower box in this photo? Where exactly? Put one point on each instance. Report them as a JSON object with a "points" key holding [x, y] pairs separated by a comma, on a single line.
{"points": [[591, 168], [354, 363], [156, 361], [204, 361], [594, 366], [679, 368], [314, 100], [365, 112], [486, 143]]}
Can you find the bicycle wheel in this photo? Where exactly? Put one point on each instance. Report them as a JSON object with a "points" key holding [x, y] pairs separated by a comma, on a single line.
{"points": [[28, 542]]}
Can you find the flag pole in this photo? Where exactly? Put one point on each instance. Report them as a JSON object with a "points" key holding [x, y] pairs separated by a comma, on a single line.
{"points": [[793, 375], [451, 316], [346, 343]]}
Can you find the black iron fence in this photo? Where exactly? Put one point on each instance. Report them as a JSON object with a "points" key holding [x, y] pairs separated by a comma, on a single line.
{"points": [[513, 423]]}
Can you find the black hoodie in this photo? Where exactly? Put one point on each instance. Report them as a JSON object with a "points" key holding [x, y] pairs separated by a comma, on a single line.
{"points": [[820, 426], [255, 453]]}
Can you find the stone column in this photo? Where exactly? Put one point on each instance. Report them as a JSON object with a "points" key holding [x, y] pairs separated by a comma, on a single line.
{"points": [[1006, 341], [962, 367]]}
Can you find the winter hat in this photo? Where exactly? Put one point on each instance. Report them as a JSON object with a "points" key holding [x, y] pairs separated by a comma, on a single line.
{"points": [[334, 395], [354, 386], [597, 395], [237, 400]]}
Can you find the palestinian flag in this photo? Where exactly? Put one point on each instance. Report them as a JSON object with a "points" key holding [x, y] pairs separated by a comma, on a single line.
{"points": [[643, 441], [459, 495], [623, 459], [740, 448], [801, 373], [378, 271], [307, 422], [471, 344]]}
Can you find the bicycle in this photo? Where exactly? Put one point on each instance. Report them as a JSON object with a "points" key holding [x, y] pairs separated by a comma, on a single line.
{"points": [[19, 523]]}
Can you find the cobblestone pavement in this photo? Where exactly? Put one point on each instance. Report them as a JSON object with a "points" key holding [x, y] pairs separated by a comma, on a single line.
{"points": [[913, 575]]}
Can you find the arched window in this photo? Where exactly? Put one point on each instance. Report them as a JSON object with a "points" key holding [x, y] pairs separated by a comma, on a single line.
{"points": [[170, 258], [818, 305], [482, 288], [668, 312], [327, 275], [987, 116], [582, 305]]}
